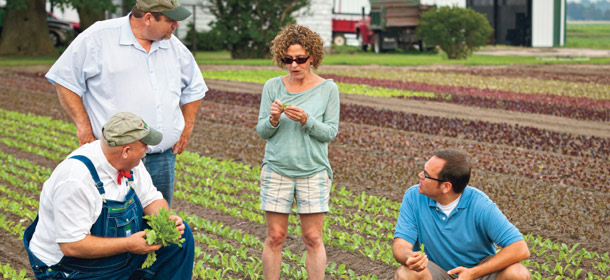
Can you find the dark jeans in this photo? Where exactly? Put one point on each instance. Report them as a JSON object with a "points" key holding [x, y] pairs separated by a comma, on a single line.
{"points": [[161, 169]]}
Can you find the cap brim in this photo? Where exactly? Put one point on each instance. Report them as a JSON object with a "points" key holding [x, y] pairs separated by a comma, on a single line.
{"points": [[178, 14], [154, 137]]}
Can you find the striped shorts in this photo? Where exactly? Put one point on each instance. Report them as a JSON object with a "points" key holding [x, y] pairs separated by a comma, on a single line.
{"points": [[278, 192]]}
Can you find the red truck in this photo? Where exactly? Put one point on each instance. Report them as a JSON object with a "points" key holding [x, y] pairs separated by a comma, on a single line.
{"points": [[390, 24], [346, 14]]}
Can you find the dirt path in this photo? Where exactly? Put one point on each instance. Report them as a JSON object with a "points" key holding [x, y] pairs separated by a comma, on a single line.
{"points": [[429, 108]]}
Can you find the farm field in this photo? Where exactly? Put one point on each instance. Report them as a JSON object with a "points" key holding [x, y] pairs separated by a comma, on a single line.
{"points": [[539, 137]]}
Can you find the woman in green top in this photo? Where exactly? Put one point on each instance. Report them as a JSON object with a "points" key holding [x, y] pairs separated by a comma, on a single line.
{"points": [[299, 116]]}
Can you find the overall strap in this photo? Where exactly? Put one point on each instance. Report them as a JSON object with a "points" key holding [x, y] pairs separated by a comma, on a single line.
{"points": [[96, 178]]}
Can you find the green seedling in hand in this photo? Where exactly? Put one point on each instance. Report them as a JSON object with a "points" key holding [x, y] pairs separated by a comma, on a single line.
{"points": [[421, 249], [284, 106], [162, 231]]}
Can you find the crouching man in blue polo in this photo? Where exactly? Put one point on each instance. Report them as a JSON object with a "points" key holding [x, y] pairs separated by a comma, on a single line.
{"points": [[458, 226], [90, 219]]}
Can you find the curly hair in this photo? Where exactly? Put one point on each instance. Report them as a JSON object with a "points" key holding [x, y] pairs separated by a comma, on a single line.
{"points": [[297, 34]]}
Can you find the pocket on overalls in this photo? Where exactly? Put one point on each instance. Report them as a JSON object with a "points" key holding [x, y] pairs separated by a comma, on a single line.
{"points": [[126, 224]]}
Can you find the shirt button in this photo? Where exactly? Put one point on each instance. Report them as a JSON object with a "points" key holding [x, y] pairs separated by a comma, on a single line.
{"points": [[443, 218], [127, 220]]}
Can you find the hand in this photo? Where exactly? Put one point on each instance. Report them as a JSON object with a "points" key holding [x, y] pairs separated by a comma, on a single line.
{"points": [[85, 135], [417, 262], [179, 224], [296, 114], [276, 110], [463, 273], [184, 139], [136, 243]]}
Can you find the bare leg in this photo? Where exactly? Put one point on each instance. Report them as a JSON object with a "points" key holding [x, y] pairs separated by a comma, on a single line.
{"points": [[277, 227], [315, 262], [515, 271]]}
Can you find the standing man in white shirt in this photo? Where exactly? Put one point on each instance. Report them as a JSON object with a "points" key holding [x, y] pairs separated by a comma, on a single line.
{"points": [[90, 221], [134, 64]]}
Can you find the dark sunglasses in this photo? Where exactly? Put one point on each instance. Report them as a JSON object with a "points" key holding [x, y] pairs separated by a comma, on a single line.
{"points": [[299, 60]]}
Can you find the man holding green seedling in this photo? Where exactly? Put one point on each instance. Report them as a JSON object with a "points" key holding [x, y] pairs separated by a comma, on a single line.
{"points": [[134, 64], [459, 225], [90, 220]]}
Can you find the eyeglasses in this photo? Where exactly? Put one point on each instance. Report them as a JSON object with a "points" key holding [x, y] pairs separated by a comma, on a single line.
{"points": [[299, 60], [435, 179]]}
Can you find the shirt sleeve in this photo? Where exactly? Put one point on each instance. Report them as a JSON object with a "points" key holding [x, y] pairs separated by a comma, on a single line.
{"points": [[497, 226], [74, 208], [264, 128], [146, 191], [325, 130], [78, 63], [191, 79], [406, 226]]}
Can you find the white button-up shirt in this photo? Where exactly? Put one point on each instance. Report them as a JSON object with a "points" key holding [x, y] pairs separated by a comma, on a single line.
{"points": [[70, 202], [112, 72]]}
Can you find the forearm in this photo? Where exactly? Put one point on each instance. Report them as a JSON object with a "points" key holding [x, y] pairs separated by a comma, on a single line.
{"points": [[189, 111], [153, 208], [93, 247], [73, 105], [323, 132], [402, 250], [509, 255], [265, 128]]}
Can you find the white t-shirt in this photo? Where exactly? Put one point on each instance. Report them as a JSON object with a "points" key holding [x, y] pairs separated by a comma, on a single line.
{"points": [[70, 203], [449, 207]]}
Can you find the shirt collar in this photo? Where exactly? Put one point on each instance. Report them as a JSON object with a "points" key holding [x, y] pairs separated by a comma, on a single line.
{"points": [[104, 164], [127, 37], [464, 199]]}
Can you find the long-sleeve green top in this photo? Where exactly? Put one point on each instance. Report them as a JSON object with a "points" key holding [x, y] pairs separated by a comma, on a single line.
{"points": [[296, 150]]}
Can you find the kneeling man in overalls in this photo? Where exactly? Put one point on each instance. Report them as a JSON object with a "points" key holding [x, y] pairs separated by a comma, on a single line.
{"points": [[90, 219]]}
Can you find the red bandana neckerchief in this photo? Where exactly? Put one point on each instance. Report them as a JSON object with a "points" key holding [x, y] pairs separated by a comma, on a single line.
{"points": [[123, 173]]}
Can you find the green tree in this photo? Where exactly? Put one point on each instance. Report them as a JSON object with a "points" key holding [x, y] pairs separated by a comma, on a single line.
{"points": [[25, 17], [249, 26], [457, 31], [89, 11]]}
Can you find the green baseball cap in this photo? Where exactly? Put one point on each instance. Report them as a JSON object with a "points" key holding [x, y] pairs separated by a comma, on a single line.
{"points": [[125, 128], [170, 8]]}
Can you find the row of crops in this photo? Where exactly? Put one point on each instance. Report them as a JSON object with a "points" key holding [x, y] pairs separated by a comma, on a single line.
{"points": [[573, 99], [358, 223]]}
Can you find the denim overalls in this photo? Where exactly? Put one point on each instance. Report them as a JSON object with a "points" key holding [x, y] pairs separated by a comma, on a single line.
{"points": [[117, 219]]}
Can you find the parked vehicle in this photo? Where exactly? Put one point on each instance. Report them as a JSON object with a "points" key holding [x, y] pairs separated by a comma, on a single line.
{"points": [[60, 31], [390, 24], [75, 25], [346, 14]]}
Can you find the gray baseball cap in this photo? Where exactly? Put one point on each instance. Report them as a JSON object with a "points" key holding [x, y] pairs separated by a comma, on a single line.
{"points": [[125, 128], [170, 8]]}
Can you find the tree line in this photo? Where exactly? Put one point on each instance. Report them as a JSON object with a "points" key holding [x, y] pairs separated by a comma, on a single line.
{"points": [[245, 27]]}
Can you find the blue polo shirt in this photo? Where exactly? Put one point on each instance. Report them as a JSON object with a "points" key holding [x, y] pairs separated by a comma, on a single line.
{"points": [[464, 237]]}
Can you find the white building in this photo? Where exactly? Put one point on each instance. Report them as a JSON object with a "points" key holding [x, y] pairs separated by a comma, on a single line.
{"points": [[537, 23]]}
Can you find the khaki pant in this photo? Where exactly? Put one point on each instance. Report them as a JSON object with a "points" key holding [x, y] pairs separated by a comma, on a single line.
{"points": [[440, 274]]}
